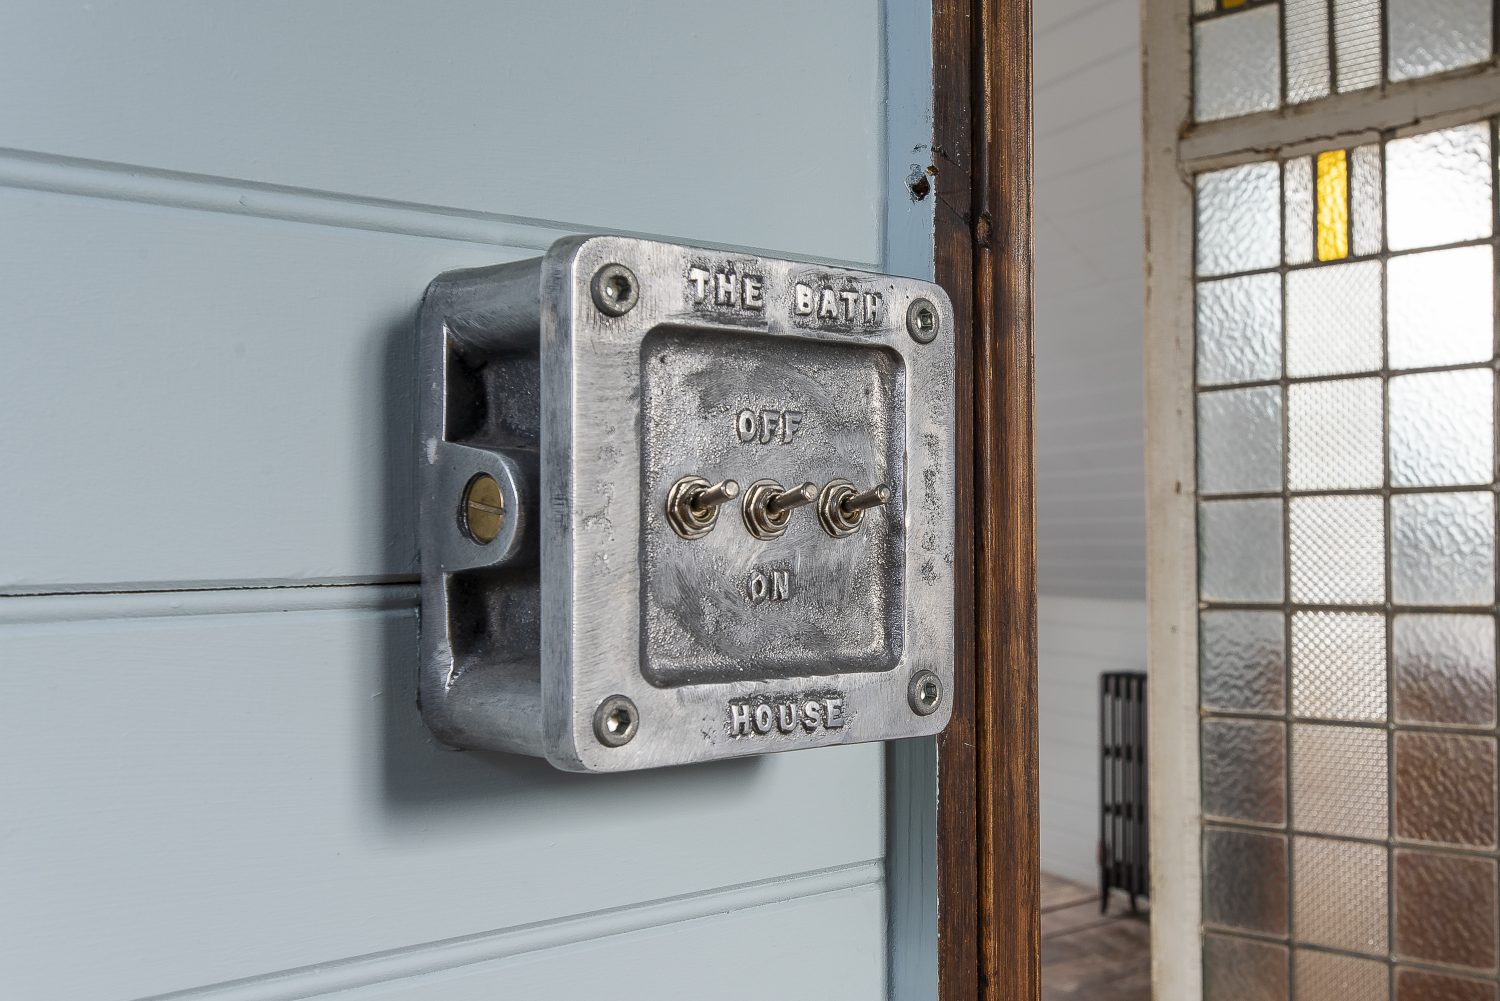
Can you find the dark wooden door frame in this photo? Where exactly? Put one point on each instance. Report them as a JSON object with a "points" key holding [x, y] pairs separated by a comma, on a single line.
{"points": [[988, 878]]}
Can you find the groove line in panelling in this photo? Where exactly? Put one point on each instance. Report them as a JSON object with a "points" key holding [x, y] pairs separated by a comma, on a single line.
{"points": [[387, 967], [23, 170], [81, 607]]}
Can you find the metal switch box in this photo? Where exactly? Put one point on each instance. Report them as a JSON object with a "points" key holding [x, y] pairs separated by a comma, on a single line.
{"points": [[683, 504]]}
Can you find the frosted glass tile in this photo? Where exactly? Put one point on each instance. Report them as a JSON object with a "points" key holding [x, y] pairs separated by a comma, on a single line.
{"points": [[1338, 665], [1329, 975], [1237, 64], [1239, 329], [1244, 770], [1356, 39], [1306, 50], [1338, 550], [1441, 307], [1445, 788], [1442, 428], [1340, 900], [1243, 969], [1333, 320], [1333, 204], [1434, 36], [1425, 985], [1443, 549], [1335, 435], [1297, 197], [1244, 880], [1239, 440], [1204, 6], [1239, 215], [1438, 187], [1239, 550], [1444, 669], [1366, 194], [1445, 909], [1242, 661], [1339, 780]]}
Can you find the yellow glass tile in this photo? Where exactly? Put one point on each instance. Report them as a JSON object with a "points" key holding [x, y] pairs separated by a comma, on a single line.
{"points": [[1231, 4], [1333, 205]]}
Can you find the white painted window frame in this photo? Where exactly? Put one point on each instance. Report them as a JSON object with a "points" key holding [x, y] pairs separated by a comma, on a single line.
{"points": [[1174, 151]]}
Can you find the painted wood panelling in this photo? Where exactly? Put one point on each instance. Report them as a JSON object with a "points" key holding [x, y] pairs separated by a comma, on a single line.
{"points": [[1089, 281], [1078, 639], [706, 121], [206, 797]]}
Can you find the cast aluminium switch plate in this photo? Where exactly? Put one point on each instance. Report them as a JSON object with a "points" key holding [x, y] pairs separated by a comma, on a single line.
{"points": [[563, 400]]}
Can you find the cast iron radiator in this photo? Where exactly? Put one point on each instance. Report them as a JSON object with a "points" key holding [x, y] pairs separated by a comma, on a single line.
{"points": [[1123, 847]]}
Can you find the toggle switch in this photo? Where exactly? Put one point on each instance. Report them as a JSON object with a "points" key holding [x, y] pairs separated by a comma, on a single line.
{"points": [[841, 508], [769, 506], [693, 505]]}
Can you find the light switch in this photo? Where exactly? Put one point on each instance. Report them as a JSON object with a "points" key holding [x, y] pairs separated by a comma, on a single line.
{"points": [[683, 504]]}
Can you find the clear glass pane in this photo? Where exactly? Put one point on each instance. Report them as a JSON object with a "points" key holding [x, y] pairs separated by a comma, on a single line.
{"points": [[1297, 196], [1338, 665], [1338, 550], [1239, 440], [1441, 307], [1433, 36], [1237, 64], [1243, 661], [1239, 213], [1443, 549], [1333, 321], [1306, 50], [1445, 789], [1328, 975], [1442, 428], [1239, 329], [1356, 39], [1444, 669], [1244, 880], [1335, 437], [1438, 187], [1239, 550], [1425, 985], [1341, 898], [1244, 770], [1339, 780], [1366, 200]]}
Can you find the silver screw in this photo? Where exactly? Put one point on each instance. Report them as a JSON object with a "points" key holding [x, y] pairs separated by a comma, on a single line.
{"points": [[616, 721], [615, 289], [922, 321], [925, 693]]}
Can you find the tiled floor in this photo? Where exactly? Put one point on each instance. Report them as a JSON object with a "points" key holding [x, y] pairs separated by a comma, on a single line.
{"points": [[1088, 956]]}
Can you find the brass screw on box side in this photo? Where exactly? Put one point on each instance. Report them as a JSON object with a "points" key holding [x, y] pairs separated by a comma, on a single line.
{"points": [[483, 512]]}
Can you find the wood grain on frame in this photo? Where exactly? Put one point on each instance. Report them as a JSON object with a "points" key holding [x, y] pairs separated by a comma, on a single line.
{"points": [[988, 876]]}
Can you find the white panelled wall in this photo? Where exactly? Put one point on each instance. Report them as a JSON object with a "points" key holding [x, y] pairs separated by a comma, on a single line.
{"points": [[216, 224], [1091, 533]]}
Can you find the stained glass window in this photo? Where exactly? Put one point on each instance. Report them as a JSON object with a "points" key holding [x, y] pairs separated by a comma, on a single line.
{"points": [[1328, 47], [1346, 410]]}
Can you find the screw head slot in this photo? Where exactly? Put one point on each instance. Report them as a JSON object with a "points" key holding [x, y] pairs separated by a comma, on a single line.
{"points": [[922, 321], [925, 693], [615, 290], [482, 513], [616, 721]]}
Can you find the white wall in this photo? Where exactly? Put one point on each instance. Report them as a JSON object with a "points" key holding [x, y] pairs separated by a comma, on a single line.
{"points": [[1090, 416], [216, 223]]}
